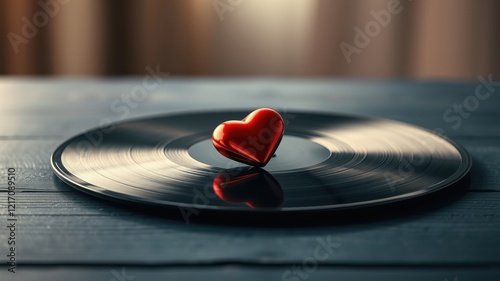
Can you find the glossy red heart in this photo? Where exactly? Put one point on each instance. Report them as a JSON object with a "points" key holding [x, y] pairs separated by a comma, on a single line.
{"points": [[252, 140], [254, 187]]}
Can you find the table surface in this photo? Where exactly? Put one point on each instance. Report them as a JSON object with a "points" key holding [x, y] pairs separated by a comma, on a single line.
{"points": [[64, 234]]}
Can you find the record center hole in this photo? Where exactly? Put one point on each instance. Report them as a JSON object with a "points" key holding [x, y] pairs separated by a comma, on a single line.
{"points": [[294, 153]]}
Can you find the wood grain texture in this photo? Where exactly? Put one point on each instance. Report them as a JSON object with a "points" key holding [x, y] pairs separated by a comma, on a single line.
{"points": [[249, 273], [36, 107], [50, 127], [89, 237], [74, 227]]}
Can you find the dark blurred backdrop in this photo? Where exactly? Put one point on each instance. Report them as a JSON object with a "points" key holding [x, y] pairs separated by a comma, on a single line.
{"points": [[421, 39]]}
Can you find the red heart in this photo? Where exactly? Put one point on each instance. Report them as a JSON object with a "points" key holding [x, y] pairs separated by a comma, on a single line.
{"points": [[255, 187], [252, 140]]}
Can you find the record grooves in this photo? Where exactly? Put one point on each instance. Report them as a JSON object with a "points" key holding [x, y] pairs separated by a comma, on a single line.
{"points": [[324, 162]]}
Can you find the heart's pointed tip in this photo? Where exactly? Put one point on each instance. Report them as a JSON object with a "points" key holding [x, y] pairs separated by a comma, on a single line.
{"points": [[260, 164]]}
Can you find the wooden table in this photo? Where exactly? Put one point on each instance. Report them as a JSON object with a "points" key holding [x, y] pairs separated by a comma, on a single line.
{"points": [[63, 234]]}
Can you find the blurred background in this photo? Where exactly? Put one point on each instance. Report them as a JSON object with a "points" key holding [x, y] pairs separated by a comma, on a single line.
{"points": [[430, 39]]}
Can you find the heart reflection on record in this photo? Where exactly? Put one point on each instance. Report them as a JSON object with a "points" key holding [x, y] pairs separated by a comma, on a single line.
{"points": [[252, 186], [324, 162]]}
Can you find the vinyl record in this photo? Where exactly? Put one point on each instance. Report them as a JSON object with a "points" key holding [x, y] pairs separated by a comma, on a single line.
{"points": [[324, 162]]}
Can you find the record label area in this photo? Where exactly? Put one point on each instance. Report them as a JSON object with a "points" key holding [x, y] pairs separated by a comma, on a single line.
{"points": [[293, 153], [325, 162]]}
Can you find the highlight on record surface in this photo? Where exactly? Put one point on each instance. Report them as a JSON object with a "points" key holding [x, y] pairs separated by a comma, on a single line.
{"points": [[323, 162]]}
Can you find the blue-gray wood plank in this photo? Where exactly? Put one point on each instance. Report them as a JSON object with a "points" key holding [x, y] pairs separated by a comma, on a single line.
{"points": [[64, 234]]}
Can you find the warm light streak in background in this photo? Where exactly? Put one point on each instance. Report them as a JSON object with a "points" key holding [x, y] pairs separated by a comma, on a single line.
{"points": [[428, 39]]}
